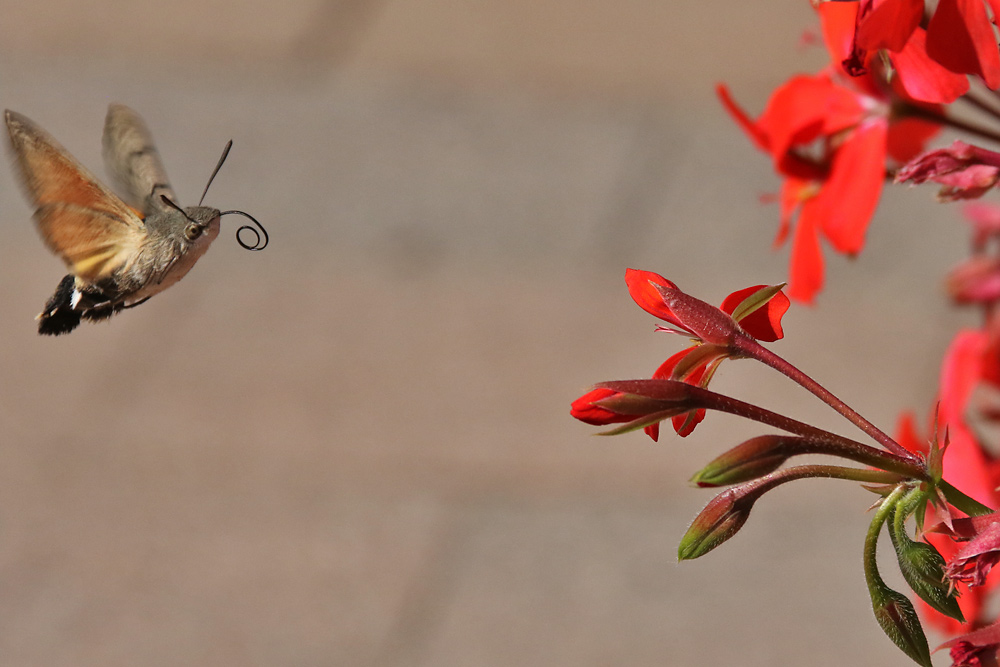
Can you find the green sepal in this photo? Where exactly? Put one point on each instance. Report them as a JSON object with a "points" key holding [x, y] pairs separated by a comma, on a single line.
{"points": [[923, 569]]}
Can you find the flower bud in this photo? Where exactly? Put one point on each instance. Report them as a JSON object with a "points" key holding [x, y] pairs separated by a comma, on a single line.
{"points": [[752, 459], [706, 322], [923, 569], [721, 519], [895, 613]]}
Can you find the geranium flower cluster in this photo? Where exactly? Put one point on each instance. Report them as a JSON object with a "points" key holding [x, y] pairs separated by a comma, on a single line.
{"points": [[836, 138]]}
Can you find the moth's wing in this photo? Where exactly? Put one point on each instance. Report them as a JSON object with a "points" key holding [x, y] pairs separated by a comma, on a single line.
{"points": [[80, 220], [134, 162]]}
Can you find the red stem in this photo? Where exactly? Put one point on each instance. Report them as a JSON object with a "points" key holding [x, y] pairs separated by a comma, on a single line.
{"points": [[749, 347]]}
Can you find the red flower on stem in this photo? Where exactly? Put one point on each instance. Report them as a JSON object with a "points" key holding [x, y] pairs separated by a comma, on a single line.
{"points": [[829, 137], [931, 63], [753, 311]]}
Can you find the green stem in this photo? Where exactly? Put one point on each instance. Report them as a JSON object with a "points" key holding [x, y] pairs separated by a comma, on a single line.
{"points": [[888, 505], [863, 475]]}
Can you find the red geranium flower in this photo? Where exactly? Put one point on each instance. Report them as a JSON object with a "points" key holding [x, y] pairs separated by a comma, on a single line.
{"points": [[829, 136], [753, 311]]}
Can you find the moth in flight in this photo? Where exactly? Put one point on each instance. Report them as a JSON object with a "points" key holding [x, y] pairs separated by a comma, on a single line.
{"points": [[118, 254]]}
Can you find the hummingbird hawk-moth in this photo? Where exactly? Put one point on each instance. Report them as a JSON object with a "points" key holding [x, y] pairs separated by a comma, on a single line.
{"points": [[118, 254]]}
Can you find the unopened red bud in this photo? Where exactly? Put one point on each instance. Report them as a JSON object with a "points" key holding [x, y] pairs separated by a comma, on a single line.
{"points": [[673, 392], [587, 409], [633, 403]]}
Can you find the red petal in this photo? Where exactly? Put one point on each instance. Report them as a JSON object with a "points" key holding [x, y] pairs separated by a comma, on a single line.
{"points": [[793, 192], [851, 193], [806, 271], [641, 288], [837, 20], [663, 373], [584, 410], [802, 110], [964, 654], [909, 136], [907, 435], [986, 636], [970, 599], [890, 24], [765, 322], [683, 424], [965, 462], [757, 136], [960, 37], [924, 79], [975, 559], [994, 7]]}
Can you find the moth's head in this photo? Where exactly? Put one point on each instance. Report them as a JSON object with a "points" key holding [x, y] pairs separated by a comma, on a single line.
{"points": [[193, 228], [202, 225], [197, 226]]}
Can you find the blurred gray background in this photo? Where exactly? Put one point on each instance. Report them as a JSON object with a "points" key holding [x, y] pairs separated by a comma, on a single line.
{"points": [[354, 448]]}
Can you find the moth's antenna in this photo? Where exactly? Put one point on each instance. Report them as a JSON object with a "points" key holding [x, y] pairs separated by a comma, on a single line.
{"points": [[171, 204], [261, 238], [225, 154], [256, 245]]}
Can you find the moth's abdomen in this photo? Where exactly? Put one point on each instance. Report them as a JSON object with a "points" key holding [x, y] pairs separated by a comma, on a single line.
{"points": [[59, 316], [75, 299]]}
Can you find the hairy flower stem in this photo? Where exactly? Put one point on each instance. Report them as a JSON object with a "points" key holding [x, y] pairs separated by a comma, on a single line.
{"points": [[885, 509], [749, 347], [835, 472], [839, 445]]}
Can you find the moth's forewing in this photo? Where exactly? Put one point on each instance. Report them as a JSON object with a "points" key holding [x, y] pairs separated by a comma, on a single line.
{"points": [[80, 220], [132, 159]]}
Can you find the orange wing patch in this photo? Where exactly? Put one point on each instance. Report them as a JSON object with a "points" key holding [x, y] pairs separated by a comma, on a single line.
{"points": [[93, 244], [80, 219]]}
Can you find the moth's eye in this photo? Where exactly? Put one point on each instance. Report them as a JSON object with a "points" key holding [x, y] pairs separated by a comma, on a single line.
{"points": [[192, 232]]}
